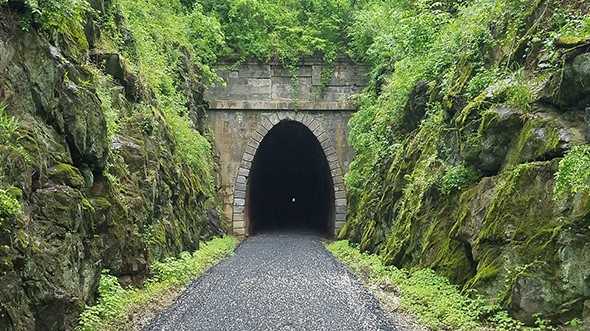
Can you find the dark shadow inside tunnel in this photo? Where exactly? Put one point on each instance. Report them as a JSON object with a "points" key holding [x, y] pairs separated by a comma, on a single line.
{"points": [[290, 184]]}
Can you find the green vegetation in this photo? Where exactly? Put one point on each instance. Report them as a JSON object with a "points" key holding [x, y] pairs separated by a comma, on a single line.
{"points": [[173, 38], [286, 30], [574, 172], [458, 178], [430, 297], [54, 15], [116, 303], [456, 140], [9, 206], [8, 126]]}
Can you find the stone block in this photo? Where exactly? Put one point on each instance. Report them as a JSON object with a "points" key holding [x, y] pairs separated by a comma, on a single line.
{"points": [[259, 83], [266, 124], [277, 71], [304, 88], [248, 157], [258, 135], [274, 119], [326, 144], [281, 88], [332, 158], [239, 232], [315, 127], [330, 150], [240, 194], [243, 172], [237, 218], [239, 202], [341, 210], [240, 187], [255, 70], [338, 187], [336, 172], [306, 120], [239, 209], [250, 149], [340, 217], [305, 71], [316, 75], [334, 164]]}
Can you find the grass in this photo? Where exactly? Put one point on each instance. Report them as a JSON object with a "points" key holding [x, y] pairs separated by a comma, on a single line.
{"points": [[116, 305], [431, 298], [436, 303]]}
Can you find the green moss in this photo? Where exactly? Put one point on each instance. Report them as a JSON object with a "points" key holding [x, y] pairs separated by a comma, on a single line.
{"points": [[538, 138], [478, 104], [100, 203], [442, 253], [489, 268], [569, 42], [488, 118], [367, 241], [464, 209], [65, 174], [86, 205]]}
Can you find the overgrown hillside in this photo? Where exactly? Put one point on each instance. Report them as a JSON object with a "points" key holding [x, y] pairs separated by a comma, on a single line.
{"points": [[106, 162], [472, 147]]}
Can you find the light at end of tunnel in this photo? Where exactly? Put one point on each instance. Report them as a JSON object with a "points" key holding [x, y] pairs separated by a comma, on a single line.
{"points": [[293, 200]]}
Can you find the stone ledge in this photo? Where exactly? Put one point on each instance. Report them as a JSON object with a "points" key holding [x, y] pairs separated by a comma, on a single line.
{"points": [[281, 105]]}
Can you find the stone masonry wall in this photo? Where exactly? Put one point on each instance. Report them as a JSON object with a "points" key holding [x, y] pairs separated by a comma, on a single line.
{"points": [[259, 95]]}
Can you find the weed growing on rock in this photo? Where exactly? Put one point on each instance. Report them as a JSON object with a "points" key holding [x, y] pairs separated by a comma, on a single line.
{"points": [[457, 178], [574, 172]]}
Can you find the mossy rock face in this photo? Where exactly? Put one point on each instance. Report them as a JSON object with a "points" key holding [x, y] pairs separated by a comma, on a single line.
{"points": [[79, 216], [545, 136], [65, 174], [486, 145], [574, 90], [416, 107], [84, 126], [518, 233]]}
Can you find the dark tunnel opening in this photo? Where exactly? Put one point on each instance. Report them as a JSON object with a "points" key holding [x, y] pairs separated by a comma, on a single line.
{"points": [[290, 184]]}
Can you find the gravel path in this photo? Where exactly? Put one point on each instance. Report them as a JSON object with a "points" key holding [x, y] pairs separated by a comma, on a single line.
{"points": [[275, 282]]}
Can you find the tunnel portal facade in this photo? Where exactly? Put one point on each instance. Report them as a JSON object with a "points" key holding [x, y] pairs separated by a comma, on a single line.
{"points": [[283, 154]]}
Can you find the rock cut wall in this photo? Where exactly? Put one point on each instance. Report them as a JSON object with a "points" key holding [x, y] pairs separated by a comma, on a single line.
{"points": [[90, 201]]}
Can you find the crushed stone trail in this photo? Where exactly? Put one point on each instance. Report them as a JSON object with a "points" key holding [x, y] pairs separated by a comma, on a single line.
{"points": [[275, 282]]}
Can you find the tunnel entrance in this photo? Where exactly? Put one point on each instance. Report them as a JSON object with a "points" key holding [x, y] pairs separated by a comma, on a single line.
{"points": [[290, 185]]}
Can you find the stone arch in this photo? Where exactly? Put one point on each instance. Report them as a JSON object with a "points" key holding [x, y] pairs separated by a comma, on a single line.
{"points": [[240, 223]]}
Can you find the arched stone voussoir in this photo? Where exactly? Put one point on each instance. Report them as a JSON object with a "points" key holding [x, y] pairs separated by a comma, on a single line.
{"points": [[240, 224]]}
